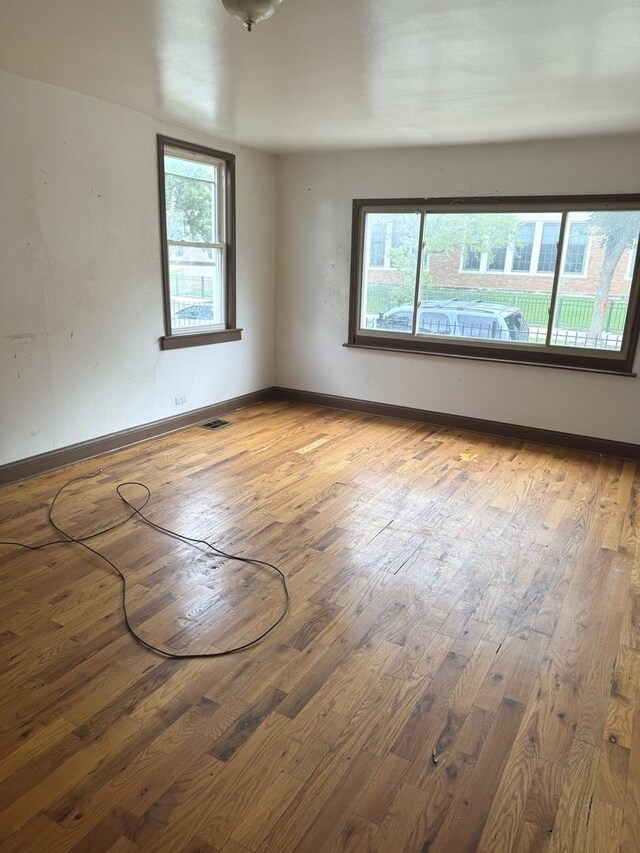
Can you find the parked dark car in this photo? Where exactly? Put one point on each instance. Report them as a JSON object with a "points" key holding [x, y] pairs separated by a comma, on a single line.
{"points": [[462, 319]]}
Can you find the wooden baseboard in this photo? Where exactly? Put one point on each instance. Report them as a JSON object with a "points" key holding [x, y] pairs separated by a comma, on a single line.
{"points": [[53, 459], [535, 435], [44, 462]]}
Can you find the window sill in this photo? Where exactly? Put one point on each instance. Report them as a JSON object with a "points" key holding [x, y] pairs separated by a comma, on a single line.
{"points": [[583, 368], [198, 339]]}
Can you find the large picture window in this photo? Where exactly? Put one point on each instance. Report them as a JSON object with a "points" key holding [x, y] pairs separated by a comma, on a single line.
{"points": [[197, 207], [543, 280]]}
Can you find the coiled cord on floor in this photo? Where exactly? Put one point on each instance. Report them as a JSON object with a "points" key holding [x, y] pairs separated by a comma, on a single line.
{"points": [[136, 512]]}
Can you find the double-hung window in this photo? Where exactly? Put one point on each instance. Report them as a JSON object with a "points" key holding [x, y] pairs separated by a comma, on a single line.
{"points": [[576, 254], [548, 247], [542, 280], [197, 221], [523, 246]]}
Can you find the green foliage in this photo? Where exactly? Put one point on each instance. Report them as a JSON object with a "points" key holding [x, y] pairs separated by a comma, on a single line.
{"points": [[189, 193], [444, 233], [404, 230], [401, 294], [617, 231], [613, 226], [476, 232]]}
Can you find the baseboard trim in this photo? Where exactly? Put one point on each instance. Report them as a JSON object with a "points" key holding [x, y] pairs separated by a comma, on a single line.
{"points": [[534, 435], [50, 461], [53, 459]]}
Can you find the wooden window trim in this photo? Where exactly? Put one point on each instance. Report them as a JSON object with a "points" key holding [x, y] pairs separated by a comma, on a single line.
{"points": [[195, 337], [616, 364]]}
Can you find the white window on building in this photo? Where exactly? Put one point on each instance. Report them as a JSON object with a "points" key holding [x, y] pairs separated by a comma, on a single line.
{"points": [[378, 244], [497, 259], [471, 260], [523, 251], [548, 247], [535, 250], [576, 253]]}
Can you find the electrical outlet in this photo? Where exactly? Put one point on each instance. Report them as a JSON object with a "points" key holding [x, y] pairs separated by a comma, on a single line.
{"points": [[180, 399]]}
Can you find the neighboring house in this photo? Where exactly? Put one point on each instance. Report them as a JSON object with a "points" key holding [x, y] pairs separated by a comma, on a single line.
{"points": [[528, 267]]}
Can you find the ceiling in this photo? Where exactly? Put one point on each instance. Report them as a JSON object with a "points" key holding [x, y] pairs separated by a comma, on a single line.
{"points": [[344, 73]]}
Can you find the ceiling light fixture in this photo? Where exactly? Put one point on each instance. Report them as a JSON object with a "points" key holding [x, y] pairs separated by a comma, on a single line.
{"points": [[251, 12]]}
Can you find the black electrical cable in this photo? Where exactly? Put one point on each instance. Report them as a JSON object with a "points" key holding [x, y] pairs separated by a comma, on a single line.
{"points": [[136, 512]]}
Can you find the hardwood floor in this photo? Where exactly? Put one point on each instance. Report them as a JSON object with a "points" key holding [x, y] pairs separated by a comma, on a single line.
{"points": [[459, 669]]}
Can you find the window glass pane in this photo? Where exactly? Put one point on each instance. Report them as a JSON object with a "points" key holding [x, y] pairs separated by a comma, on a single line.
{"points": [[397, 244], [593, 291], [191, 200], [196, 288], [576, 248], [507, 308], [433, 322], [474, 325], [549, 247], [378, 244], [489, 279], [471, 259], [523, 250], [497, 259], [388, 292]]}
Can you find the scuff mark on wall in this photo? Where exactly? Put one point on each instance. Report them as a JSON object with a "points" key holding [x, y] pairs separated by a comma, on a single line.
{"points": [[25, 336]]}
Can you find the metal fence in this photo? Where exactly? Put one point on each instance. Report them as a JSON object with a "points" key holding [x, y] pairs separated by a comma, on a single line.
{"points": [[574, 313], [192, 285], [491, 331]]}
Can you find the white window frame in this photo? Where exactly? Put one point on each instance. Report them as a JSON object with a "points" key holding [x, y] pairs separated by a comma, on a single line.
{"points": [[587, 254], [631, 261]]}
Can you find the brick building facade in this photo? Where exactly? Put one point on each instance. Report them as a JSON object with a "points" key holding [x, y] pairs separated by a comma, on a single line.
{"points": [[448, 270]]}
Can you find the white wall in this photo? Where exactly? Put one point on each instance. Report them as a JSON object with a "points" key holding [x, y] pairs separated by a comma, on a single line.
{"points": [[81, 295], [314, 195], [80, 279]]}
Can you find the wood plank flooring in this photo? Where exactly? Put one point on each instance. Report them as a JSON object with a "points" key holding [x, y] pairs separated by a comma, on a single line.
{"points": [[459, 669]]}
